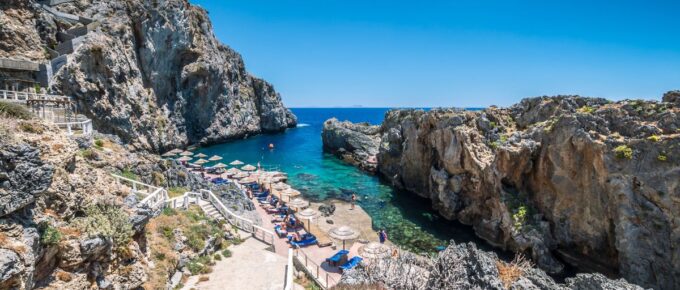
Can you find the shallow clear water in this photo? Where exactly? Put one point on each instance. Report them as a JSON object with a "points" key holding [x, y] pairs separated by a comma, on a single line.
{"points": [[409, 220]]}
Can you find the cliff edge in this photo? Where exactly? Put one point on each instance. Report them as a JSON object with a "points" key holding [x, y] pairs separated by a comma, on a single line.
{"points": [[566, 179]]}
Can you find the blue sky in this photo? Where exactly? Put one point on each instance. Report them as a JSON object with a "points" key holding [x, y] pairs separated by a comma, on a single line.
{"points": [[453, 53]]}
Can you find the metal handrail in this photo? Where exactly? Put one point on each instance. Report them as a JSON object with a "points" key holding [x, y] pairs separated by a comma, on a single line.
{"points": [[288, 282], [321, 277]]}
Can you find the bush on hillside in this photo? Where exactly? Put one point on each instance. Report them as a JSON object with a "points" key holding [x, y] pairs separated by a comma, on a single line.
{"points": [[108, 221], [623, 151], [12, 110]]}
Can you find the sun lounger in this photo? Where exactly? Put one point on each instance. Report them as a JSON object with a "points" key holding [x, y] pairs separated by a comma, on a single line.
{"points": [[353, 262], [280, 232], [338, 259], [304, 243]]}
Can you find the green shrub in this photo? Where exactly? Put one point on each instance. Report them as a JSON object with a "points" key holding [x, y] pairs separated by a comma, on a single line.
{"points": [[127, 173], [237, 241], [218, 257], [493, 124], [176, 191], [159, 256], [169, 211], [108, 221], [623, 151], [662, 157], [226, 253], [520, 217], [157, 178], [99, 143], [31, 127], [166, 231], [586, 109], [12, 110], [89, 154], [654, 138], [50, 236]]}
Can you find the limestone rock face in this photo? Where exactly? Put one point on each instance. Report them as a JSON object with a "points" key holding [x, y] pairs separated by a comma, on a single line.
{"points": [[566, 179], [355, 143], [22, 176], [152, 73]]}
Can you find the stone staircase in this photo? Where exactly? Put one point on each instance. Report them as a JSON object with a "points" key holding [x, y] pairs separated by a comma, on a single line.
{"points": [[212, 213]]}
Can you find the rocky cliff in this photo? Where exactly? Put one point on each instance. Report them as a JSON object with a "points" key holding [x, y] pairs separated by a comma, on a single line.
{"points": [[357, 144], [152, 72], [588, 182]]}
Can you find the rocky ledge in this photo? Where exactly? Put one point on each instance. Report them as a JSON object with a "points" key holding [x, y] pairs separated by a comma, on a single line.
{"points": [[152, 72], [357, 144], [463, 266], [583, 181]]}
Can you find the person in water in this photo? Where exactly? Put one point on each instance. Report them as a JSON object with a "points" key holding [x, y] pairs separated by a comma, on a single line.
{"points": [[354, 200], [382, 235]]}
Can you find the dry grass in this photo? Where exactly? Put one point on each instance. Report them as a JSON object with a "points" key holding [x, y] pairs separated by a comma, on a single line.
{"points": [[511, 272], [70, 232], [203, 278], [64, 276]]}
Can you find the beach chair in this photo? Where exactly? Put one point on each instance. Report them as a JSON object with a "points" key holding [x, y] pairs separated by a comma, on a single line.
{"points": [[338, 259], [280, 232], [307, 240], [353, 262]]}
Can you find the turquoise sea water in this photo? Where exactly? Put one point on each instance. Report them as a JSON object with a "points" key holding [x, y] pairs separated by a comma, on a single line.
{"points": [[409, 220]]}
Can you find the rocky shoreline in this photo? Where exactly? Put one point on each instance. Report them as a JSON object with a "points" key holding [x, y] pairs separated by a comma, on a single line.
{"points": [[565, 179]]}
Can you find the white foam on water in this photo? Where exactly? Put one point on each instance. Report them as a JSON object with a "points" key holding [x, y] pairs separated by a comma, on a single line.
{"points": [[302, 125]]}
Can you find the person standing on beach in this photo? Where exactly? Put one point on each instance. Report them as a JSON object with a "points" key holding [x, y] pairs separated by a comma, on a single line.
{"points": [[354, 200], [382, 235]]}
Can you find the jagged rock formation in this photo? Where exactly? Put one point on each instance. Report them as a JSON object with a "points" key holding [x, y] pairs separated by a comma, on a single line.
{"points": [[153, 73], [463, 266], [357, 144], [584, 181]]}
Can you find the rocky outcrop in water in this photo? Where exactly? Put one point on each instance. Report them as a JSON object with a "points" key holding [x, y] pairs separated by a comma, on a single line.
{"points": [[357, 144], [152, 73], [582, 181], [463, 266]]}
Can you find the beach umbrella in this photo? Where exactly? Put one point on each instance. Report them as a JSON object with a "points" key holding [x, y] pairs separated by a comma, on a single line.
{"points": [[240, 175], [298, 203], [276, 179], [220, 165], [232, 171], [374, 250], [307, 214], [186, 153], [169, 154], [248, 168], [201, 161], [215, 158], [175, 151], [343, 233], [289, 193], [280, 186], [247, 180], [184, 158], [201, 155], [236, 163]]}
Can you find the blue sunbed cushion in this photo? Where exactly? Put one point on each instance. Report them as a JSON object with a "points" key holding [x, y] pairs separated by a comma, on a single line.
{"points": [[304, 243], [353, 262], [336, 258]]}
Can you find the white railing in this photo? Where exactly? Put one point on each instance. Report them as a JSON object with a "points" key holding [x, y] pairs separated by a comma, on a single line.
{"points": [[288, 282], [242, 223], [322, 278], [15, 96], [84, 126], [154, 197]]}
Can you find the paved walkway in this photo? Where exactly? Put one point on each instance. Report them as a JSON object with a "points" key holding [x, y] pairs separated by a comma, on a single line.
{"points": [[251, 266]]}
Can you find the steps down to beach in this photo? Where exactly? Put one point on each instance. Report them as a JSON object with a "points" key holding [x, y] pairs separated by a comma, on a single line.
{"points": [[212, 213]]}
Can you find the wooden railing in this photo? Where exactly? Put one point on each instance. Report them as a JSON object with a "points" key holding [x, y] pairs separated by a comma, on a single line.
{"points": [[314, 270], [15, 96], [154, 197], [84, 126], [288, 281], [242, 223]]}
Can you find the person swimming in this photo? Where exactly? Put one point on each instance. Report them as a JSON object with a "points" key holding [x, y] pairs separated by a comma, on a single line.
{"points": [[271, 146]]}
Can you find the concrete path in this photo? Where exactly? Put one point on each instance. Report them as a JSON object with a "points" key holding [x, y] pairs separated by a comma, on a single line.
{"points": [[251, 266]]}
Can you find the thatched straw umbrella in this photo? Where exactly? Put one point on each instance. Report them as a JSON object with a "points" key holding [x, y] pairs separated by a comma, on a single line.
{"points": [[186, 153], [236, 163], [201, 155], [343, 233], [248, 168], [307, 214], [374, 250], [215, 158]]}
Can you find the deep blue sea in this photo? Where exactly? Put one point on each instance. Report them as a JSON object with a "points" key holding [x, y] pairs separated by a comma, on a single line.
{"points": [[409, 220]]}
